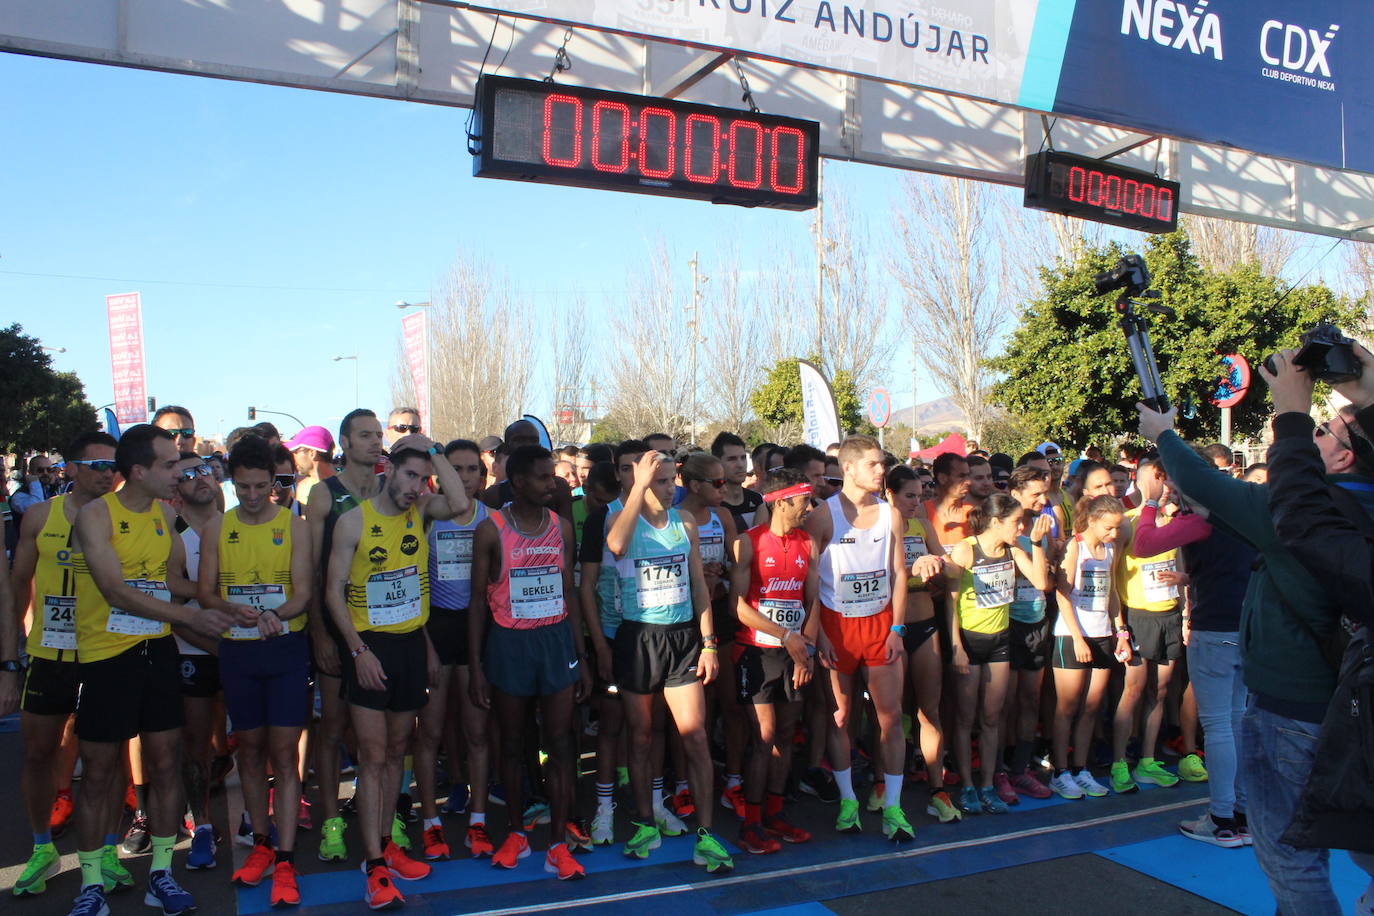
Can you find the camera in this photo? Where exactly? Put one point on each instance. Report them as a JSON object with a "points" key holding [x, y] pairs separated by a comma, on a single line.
{"points": [[1130, 274], [1327, 354]]}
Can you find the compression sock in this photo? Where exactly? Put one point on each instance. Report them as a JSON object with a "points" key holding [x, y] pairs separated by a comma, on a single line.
{"points": [[162, 852], [91, 872], [844, 781]]}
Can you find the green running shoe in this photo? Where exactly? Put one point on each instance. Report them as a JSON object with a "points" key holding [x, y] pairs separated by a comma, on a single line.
{"points": [[1122, 783], [895, 825], [43, 864], [709, 852], [113, 874], [941, 807], [645, 840], [1152, 772], [1190, 769], [622, 776], [398, 832], [848, 821], [875, 798], [332, 848]]}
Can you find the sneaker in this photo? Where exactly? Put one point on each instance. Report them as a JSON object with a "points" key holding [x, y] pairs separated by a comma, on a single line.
{"points": [[202, 854], [754, 840], [559, 861], [433, 843], [1151, 772], [668, 823], [61, 817], [682, 804], [733, 799], [284, 889], [332, 848], [496, 794], [477, 841], [788, 833], [848, 819], [622, 777], [895, 825], [1065, 786], [969, 803], [457, 801], [818, 782], [645, 840], [709, 852], [303, 820], [1001, 782], [381, 893], [536, 813], [1205, 829], [576, 835], [992, 802], [942, 808], [398, 832], [257, 866], [1243, 829], [1122, 783], [1028, 785], [875, 799], [113, 875], [513, 850], [603, 826], [90, 902], [165, 893], [43, 864], [137, 841], [403, 866], [1191, 769], [1091, 787]]}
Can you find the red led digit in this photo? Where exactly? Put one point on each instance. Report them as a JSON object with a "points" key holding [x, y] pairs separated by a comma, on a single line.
{"points": [[795, 158], [1147, 200], [732, 161], [712, 125], [1165, 211], [1112, 196], [1130, 196], [669, 145], [1077, 174], [575, 159], [1094, 195], [619, 135]]}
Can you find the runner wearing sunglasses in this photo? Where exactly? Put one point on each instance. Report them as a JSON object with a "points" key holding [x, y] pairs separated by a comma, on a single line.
{"points": [[177, 421]]}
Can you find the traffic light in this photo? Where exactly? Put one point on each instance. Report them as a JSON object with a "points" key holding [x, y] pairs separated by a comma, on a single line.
{"points": [[152, 406], [252, 413]]}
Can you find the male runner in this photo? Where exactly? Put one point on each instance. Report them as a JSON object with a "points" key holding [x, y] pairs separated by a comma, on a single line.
{"points": [[863, 618], [128, 663], [523, 432], [742, 502], [313, 451], [177, 421], [377, 593], [948, 511], [401, 422], [980, 479], [284, 481]]}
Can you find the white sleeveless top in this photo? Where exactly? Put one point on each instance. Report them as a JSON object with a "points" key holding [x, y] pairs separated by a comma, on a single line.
{"points": [[855, 577], [1091, 596]]}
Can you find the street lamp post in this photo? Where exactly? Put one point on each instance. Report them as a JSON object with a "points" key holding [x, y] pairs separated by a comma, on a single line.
{"points": [[354, 357], [402, 304]]}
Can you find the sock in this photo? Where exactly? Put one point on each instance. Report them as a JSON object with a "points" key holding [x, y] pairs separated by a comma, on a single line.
{"points": [[262, 839], [407, 774], [204, 827], [753, 813], [477, 818], [604, 795], [772, 806], [1020, 758], [141, 797], [1076, 770], [1059, 772], [845, 783], [386, 841], [111, 839], [286, 855], [892, 790], [375, 863], [42, 839], [162, 852], [732, 780], [680, 787], [658, 792], [90, 867], [431, 822], [1223, 821]]}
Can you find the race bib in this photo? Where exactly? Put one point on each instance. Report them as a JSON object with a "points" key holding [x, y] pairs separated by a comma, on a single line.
{"points": [[454, 555], [786, 613], [993, 583], [1155, 588], [913, 547], [663, 581], [863, 594], [127, 623], [536, 592], [1027, 593], [260, 597], [1094, 588], [393, 597], [713, 548], [59, 622]]}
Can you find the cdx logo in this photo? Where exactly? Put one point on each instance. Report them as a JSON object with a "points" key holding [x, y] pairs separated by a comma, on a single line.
{"points": [[1301, 48], [1181, 26]]}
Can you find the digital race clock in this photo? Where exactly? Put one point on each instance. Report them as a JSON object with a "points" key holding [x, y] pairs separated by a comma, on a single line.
{"points": [[1093, 189], [572, 135]]}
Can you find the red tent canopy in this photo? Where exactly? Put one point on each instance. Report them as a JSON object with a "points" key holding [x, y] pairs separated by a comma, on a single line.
{"points": [[953, 443]]}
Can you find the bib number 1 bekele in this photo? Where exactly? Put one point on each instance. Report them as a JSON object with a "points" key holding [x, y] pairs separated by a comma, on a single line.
{"points": [[536, 592]]}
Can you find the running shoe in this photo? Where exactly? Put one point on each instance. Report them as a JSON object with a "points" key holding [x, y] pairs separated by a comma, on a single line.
{"points": [[992, 803], [1243, 829], [576, 835], [90, 902], [875, 798], [515, 848], [1091, 787], [257, 866], [559, 861], [668, 823], [113, 875], [1191, 769], [968, 802], [303, 820], [682, 804], [137, 841], [1122, 783], [284, 889], [61, 817], [1205, 829], [457, 801], [477, 841], [166, 894], [709, 852], [398, 832], [381, 893], [645, 840], [202, 854], [941, 807], [1029, 786], [497, 794], [348, 807], [403, 866], [1065, 786], [332, 848], [536, 813], [43, 864], [754, 840], [818, 782], [1151, 772], [733, 799], [788, 833], [848, 819], [433, 843], [603, 825], [895, 825], [622, 777], [1001, 782]]}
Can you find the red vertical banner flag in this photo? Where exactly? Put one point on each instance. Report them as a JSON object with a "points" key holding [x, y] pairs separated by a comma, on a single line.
{"points": [[125, 314], [415, 335]]}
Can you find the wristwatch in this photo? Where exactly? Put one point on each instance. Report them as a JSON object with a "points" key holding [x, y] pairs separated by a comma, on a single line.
{"points": [[12, 666], [899, 629], [435, 449]]}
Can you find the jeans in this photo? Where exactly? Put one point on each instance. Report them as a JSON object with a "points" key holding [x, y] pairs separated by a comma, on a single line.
{"points": [[1214, 667], [1276, 758]]}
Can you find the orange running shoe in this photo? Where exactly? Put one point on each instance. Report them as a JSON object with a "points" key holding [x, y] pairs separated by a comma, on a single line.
{"points": [[733, 799], [381, 892], [284, 889], [258, 866], [682, 805], [434, 845], [788, 833], [560, 862], [403, 866], [61, 817], [515, 848], [477, 841], [576, 835]]}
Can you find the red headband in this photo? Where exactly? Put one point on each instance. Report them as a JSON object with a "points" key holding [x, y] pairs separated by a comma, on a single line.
{"points": [[797, 489]]}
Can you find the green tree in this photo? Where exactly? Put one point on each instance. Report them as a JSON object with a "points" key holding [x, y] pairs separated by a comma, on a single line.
{"points": [[778, 400], [1066, 371], [55, 418], [39, 409]]}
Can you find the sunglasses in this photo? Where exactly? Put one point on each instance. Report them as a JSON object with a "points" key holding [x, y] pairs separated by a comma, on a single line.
{"points": [[716, 482], [186, 433], [405, 428], [284, 481], [834, 481], [200, 470], [1324, 429], [95, 464]]}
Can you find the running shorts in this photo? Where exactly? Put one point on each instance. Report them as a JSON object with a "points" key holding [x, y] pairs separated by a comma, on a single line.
{"points": [[1030, 645], [858, 641], [51, 687], [266, 681], [403, 660], [647, 657], [538, 662], [1157, 635], [1103, 650], [763, 675], [199, 676], [986, 648], [448, 633], [134, 692]]}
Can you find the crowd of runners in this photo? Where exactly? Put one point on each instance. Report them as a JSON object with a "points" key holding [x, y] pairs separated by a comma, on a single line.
{"points": [[699, 639]]}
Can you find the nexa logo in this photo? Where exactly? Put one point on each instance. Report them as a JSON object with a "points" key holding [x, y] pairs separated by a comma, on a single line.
{"points": [[1182, 26], [1300, 48]]}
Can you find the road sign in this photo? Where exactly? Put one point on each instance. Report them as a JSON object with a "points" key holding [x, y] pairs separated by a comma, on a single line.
{"points": [[1234, 382], [879, 407]]}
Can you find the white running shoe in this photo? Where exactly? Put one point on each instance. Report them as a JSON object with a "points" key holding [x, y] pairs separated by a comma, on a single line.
{"points": [[603, 825], [669, 824], [1066, 786], [1089, 785]]}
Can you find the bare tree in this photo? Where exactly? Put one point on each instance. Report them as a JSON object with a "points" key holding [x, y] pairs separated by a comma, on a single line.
{"points": [[1359, 281], [1224, 244], [733, 330], [573, 381], [650, 382], [854, 309]]}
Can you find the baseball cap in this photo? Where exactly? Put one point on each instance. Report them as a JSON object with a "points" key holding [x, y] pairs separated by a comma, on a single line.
{"points": [[316, 437], [490, 443]]}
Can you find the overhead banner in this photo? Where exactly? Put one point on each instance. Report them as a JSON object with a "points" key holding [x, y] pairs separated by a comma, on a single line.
{"points": [[415, 339], [820, 420], [1270, 76], [125, 314]]}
